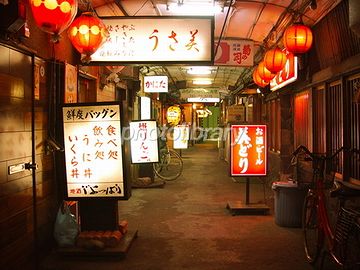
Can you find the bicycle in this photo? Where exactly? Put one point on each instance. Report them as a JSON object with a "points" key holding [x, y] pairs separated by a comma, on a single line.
{"points": [[170, 165], [343, 243]]}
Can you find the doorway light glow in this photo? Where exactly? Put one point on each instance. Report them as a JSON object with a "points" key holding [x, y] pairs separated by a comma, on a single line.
{"points": [[199, 70], [202, 82]]}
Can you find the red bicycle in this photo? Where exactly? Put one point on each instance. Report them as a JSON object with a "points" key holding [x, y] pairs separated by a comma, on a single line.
{"points": [[343, 241]]}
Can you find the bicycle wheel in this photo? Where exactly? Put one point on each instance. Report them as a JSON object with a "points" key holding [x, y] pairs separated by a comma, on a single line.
{"points": [[310, 225], [170, 165], [352, 248]]}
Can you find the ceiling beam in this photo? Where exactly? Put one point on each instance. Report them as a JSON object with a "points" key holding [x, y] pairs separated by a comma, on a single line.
{"points": [[120, 6]]}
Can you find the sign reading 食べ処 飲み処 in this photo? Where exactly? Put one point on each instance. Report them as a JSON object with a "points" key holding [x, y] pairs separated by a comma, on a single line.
{"points": [[248, 150], [93, 151]]}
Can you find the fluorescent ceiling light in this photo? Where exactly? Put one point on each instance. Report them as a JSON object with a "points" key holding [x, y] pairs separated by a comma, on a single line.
{"points": [[211, 100], [204, 9], [202, 82], [199, 70]]}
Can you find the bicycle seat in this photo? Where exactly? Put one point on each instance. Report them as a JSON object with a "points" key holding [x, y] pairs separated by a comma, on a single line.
{"points": [[345, 189]]}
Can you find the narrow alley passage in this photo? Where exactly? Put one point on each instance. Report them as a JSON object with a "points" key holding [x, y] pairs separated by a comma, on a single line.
{"points": [[186, 225]]}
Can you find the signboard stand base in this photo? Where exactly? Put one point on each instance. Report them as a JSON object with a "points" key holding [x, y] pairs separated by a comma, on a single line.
{"points": [[247, 208], [119, 251]]}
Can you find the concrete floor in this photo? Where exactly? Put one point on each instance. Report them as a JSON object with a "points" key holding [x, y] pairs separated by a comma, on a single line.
{"points": [[186, 225]]}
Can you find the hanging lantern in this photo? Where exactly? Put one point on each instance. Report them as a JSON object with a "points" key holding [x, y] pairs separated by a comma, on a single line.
{"points": [[264, 73], [298, 38], [53, 16], [257, 79], [275, 60], [87, 33]]}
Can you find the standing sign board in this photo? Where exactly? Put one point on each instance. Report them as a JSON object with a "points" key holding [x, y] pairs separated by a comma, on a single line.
{"points": [[248, 150], [181, 136], [93, 151], [143, 142]]}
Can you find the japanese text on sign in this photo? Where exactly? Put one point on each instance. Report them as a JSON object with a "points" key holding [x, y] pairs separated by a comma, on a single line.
{"points": [[93, 154], [248, 150], [235, 53], [143, 142], [155, 84], [165, 39]]}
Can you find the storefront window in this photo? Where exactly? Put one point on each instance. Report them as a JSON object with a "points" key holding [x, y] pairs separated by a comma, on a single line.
{"points": [[302, 120]]}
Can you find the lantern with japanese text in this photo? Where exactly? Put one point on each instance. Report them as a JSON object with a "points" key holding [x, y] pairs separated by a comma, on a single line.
{"points": [[258, 80], [53, 16], [264, 73], [298, 38], [275, 60], [87, 33], [173, 115]]}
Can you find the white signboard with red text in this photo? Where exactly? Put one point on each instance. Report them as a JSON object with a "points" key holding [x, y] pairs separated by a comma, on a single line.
{"points": [[93, 152], [159, 39], [248, 150], [235, 53], [143, 142], [156, 84], [287, 75]]}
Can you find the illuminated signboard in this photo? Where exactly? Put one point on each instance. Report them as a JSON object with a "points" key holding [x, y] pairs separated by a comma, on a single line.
{"points": [[248, 150], [287, 75], [204, 100], [173, 115], [145, 108], [172, 39], [93, 152], [155, 84], [235, 53], [181, 136], [143, 142]]}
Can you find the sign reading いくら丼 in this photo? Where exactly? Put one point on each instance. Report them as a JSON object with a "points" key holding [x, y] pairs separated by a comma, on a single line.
{"points": [[93, 151], [248, 150], [143, 142]]}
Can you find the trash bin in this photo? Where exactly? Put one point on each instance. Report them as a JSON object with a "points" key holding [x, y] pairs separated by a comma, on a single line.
{"points": [[289, 200]]}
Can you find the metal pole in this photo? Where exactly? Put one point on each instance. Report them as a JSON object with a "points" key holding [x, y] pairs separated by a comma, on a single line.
{"points": [[247, 195]]}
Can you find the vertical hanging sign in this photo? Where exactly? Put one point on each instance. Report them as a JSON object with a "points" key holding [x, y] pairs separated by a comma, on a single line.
{"points": [[93, 151], [248, 150], [143, 142], [181, 136]]}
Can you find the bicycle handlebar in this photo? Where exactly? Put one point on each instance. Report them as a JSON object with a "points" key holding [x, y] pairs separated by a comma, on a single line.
{"points": [[302, 148]]}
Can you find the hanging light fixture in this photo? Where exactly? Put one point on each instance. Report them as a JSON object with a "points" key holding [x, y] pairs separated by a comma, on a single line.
{"points": [[298, 38], [53, 16], [275, 60], [264, 73], [87, 33], [258, 80]]}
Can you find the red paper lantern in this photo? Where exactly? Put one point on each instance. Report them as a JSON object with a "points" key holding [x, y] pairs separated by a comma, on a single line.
{"points": [[275, 60], [257, 79], [53, 16], [298, 38], [87, 33], [264, 73]]}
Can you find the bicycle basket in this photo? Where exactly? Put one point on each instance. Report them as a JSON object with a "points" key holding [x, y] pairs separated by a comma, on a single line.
{"points": [[344, 224], [302, 170]]}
